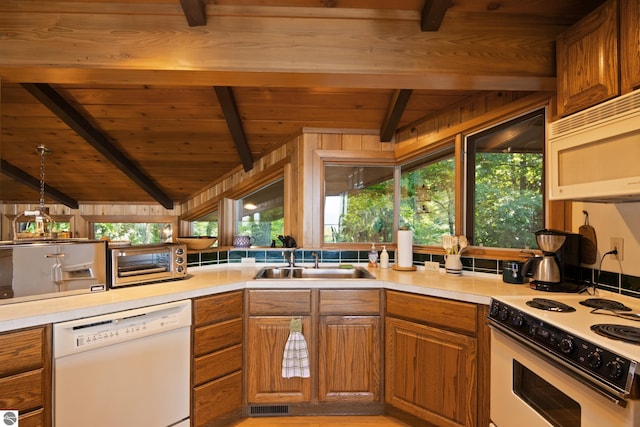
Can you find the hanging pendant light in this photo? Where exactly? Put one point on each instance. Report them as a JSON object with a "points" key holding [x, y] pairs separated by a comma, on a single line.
{"points": [[39, 217]]}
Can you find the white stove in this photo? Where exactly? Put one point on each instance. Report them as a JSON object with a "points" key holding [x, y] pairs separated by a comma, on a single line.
{"points": [[549, 368], [579, 322]]}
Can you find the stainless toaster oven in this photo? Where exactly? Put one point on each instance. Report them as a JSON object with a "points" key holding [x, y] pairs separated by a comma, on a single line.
{"points": [[136, 265]]}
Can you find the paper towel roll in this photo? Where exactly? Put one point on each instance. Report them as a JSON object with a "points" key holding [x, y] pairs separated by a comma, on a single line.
{"points": [[405, 248]]}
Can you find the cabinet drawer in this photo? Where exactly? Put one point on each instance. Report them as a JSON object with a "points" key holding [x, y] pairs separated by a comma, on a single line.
{"points": [[217, 308], [32, 419], [21, 351], [22, 392], [452, 315], [217, 398], [350, 301], [218, 364], [218, 336], [279, 302]]}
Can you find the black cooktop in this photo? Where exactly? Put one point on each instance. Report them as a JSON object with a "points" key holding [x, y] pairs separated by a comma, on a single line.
{"points": [[628, 334], [605, 304], [550, 305]]}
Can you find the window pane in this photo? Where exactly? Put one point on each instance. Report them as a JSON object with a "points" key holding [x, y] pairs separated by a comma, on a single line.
{"points": [[137, 233], [358, 204], [506, 166], [206, 226], [427, 202], [261, 214]]}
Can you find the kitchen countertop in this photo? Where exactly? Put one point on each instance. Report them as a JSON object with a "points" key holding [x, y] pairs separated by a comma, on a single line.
{"points": [[470, 287]]}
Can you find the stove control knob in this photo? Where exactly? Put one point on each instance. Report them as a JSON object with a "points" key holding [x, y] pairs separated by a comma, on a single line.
{"points": [[518, 320], [614, 369], [504, 314], [594, 360], [566, 345], [495, 308]]}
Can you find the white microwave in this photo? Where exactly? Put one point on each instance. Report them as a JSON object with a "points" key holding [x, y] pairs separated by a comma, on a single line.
{"points": [[594, 155]]}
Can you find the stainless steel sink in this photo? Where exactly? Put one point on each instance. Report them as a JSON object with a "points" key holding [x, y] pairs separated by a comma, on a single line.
{"points": [[313, 273]]}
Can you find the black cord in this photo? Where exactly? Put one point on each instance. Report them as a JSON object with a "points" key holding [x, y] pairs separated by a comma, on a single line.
{"points": [[595, 282]]}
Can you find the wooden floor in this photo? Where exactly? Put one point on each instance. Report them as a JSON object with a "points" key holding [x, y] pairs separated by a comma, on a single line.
{"points": [[322, 421]]}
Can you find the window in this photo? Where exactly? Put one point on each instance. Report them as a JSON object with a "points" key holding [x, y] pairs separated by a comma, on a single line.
{"points": [[261, 214], [427, 200], [358, 204], [505, 189], [138, 233], [206, 225]]}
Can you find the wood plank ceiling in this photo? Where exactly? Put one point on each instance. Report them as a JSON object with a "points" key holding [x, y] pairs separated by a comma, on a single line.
{"points": [[153, 100]]}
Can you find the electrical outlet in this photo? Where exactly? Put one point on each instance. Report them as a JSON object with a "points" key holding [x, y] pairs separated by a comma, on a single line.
{"points": [[247, 260], [431, 266], [618, 244]]}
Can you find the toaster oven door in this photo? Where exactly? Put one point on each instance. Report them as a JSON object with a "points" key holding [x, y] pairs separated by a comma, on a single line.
{"points": [[139, 265]]}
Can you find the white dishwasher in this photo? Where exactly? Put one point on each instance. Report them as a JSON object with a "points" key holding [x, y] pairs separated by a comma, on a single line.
{"points": [[130, 368]]}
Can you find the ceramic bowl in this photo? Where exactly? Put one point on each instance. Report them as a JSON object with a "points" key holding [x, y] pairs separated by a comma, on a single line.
{"points": [[197, 243]]}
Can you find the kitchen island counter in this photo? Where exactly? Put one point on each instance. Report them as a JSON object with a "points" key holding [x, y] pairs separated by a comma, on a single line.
{"points": [[475, 288]]}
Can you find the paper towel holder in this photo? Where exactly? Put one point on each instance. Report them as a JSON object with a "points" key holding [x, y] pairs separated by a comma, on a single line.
{"points": [[398, 268]]}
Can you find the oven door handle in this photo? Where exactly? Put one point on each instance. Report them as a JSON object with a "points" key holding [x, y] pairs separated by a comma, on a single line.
{"points": [[612, 395]]}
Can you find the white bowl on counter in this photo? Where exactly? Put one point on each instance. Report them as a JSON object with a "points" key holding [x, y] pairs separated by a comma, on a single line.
{"points": [[197, 243]]}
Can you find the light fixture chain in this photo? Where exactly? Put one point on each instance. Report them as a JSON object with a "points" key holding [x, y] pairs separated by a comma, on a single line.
{"points": [[43, 151]]}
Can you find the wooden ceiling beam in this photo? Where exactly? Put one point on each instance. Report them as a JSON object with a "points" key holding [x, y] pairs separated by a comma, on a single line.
{"points": [[433, 13], [234, 121], [65, 111], [23, 177], [394, 113], [195, 12]]}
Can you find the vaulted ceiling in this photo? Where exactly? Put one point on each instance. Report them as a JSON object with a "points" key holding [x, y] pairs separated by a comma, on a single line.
{"points": [[153, 100]]}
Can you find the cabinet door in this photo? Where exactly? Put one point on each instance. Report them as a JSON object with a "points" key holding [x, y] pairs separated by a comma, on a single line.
{"points": [[431, 373], [266, 339], [629, 45], [349, 359], [587, 60]]}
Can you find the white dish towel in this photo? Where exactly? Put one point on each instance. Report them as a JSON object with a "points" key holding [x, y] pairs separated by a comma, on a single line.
{"points": [[295, 361]]}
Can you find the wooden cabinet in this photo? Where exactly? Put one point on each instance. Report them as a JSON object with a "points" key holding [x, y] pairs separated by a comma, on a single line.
{"points": [[587, 60], [25, 374], [217, 359], [270, 312], [436, 364], [267, 336], [343, 333], [629, 45], [599, 57], [349, 346]]}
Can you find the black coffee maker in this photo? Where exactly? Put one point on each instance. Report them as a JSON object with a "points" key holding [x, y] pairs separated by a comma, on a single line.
{"points": [[558, 269]]}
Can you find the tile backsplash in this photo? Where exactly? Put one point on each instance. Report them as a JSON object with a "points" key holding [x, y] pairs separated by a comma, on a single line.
{"points": [[611, 281]]}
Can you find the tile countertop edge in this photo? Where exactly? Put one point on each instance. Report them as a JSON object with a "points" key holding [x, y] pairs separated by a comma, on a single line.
{"points": [[213, 280]]}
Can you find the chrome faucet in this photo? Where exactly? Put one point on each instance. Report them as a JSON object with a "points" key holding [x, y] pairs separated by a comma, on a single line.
{"points": [[290, 257], [315, 259]]}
